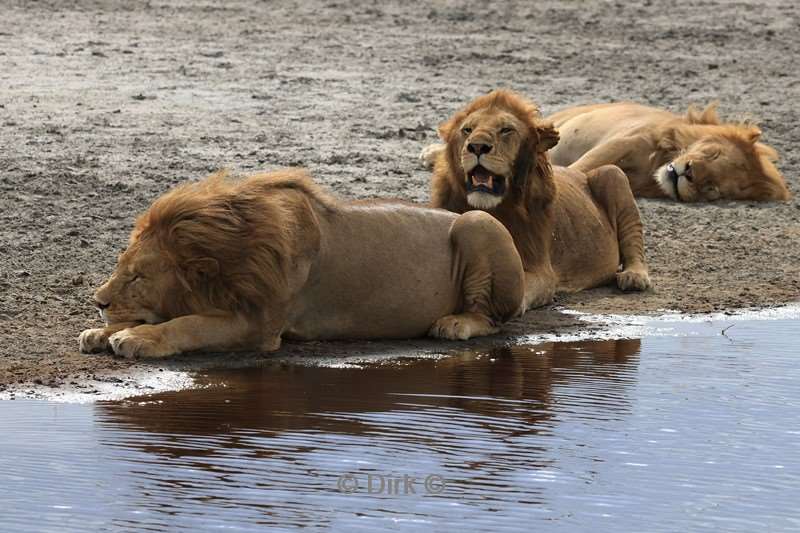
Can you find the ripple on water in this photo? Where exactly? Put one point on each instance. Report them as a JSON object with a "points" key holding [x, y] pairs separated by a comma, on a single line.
{"points": [[662, 434]]}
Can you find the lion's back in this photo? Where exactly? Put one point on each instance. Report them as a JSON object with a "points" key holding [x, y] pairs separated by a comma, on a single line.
{"points": [[586, 127]]}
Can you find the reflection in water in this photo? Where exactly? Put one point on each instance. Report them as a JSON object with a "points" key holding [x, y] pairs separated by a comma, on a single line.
{"points": [[286, 434], [511, 382], [696, 432]]}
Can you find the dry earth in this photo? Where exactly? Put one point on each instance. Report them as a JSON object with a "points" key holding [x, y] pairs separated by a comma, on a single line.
{"points": [[105, 105]]}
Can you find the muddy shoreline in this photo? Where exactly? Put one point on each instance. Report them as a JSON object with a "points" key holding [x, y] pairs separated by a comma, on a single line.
{"points": [[105, 106]]}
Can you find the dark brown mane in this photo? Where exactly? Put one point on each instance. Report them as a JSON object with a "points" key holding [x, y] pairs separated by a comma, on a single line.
{"points": [[527, 210], [232, 241]]}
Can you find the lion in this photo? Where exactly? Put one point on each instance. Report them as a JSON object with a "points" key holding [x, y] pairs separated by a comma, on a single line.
{"points": [[572, 230], [691, 158], [225, 265]]}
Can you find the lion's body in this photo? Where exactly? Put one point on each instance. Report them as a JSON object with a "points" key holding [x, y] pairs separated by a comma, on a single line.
{"points": [[583, 247], [642, 140], [366, 279], [573, 230], [239, 265]]}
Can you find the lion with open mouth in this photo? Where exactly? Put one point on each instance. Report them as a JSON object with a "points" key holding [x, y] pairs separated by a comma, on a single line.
{"points": [[573, 230], [224, 265]]}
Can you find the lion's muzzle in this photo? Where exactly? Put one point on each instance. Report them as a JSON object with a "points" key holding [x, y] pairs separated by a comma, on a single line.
{"points": [[674, 172], [673, 176]]}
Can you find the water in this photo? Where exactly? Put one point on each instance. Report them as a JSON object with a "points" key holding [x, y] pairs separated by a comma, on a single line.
{"points": [[690, 431]]}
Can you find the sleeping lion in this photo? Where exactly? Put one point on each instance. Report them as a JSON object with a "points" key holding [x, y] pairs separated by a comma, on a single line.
{"points": [[572, 230], [238, 265], [692, 158]]}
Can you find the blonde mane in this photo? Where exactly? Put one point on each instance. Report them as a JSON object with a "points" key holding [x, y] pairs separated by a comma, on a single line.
{"points": [[765, 181], [232, 241]]}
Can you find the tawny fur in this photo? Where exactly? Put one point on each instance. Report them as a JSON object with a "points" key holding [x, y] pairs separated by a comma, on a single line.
{"points": [[572, 230], [233, 222], [714, 159], [237, 265]]}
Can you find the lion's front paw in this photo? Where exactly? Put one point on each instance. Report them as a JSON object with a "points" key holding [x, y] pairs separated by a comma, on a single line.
{"points": [[430, 154], [633, 280], [462, 327], [93, 340], [141, 341]]}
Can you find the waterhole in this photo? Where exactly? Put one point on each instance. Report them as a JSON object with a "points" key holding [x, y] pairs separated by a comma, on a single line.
{"points": [[697, 429]]}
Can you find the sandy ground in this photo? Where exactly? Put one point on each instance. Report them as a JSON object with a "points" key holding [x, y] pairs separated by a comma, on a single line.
{"points": [[105, 105]]}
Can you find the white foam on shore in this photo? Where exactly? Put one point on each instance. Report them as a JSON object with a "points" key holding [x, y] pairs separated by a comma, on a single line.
{"points": [[137, 383], [784, 312], [613, 327]]}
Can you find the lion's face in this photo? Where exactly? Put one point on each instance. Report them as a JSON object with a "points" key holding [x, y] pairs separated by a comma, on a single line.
{"points": [[493, 149], [489, 142], [140, 286], [719, 167]]}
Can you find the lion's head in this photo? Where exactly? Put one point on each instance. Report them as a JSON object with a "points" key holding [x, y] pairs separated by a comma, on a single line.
{"points": [[142, 288], [725, 162], [496, 150], [213, 246]]}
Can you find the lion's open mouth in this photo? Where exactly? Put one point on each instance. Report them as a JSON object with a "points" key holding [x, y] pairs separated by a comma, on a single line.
{"points": [[481, 180]]}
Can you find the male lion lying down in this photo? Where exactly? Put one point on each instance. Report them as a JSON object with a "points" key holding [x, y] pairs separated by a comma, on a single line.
{"points": [[572, 229], [237, 265], [690, 158]]}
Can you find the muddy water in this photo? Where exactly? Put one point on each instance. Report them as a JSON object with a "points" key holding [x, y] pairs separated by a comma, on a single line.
{"points": [[689, 430]]}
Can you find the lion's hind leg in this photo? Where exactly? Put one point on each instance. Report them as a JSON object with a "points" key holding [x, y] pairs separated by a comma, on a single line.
{"points": [[493, 283], [610, 187], [463, 326]]}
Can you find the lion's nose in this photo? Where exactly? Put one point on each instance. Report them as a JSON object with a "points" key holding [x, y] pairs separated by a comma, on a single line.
{"points": [[672, 173], [479, 148], [101, 305]]}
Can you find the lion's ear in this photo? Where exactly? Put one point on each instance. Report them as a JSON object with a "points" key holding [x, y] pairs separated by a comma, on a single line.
{"points": [[446, 128], [548, 136], [753, 134], [203, 267]]}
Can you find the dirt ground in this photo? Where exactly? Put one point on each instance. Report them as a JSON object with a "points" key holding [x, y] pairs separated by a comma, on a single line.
{"points": [[105, 105]]}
